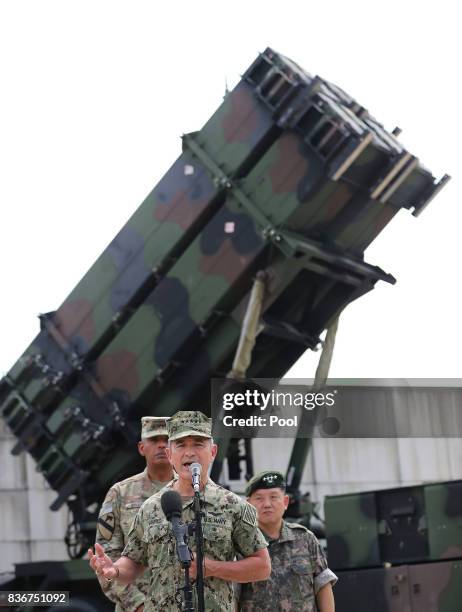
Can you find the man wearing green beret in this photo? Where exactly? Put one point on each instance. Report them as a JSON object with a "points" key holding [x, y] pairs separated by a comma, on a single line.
{"points": [[300, 579], [123, 501], [229, 526]]}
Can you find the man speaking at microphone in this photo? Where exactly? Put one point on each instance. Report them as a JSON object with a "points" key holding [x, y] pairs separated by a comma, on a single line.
{"points": [[229, 529]]}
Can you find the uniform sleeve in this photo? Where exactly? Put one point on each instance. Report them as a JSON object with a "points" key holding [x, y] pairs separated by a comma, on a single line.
{"points": [[321, 573], [136, 548], [108, 531], [110, 535], [247, 537]]}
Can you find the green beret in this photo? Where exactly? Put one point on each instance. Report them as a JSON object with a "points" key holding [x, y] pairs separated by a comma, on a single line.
{"points": [[189, 423], [153, 426], [269, 479]]}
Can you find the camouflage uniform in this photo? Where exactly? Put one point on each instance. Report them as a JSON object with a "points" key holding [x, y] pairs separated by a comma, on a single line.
{"points": [[229, 527], [119, 508], [299, 571]]}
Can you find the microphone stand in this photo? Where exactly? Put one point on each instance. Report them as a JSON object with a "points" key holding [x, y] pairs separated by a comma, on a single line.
{"points": [[199, 551], [188, 604], [184, 555]]}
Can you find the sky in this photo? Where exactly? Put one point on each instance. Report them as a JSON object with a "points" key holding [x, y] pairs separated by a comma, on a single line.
{"points": [[96, 94]]}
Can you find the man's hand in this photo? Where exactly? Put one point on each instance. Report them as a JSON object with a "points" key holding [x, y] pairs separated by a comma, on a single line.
{"points": [[208, 564], [140, 608], [100, 563], [250, 569]]}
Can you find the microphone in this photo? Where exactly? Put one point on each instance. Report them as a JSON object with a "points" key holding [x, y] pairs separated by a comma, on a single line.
{"points": [[172, 507], [196, 470]]}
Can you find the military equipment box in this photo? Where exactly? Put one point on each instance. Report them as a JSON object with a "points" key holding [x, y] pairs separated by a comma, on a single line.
{"points": [[408, 588], [403, 525]]}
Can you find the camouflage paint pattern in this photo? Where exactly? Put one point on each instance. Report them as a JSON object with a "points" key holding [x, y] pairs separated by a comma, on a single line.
{"points": [[298, 571], [436, 587], [290, 175], [157, 230], [443, 503], [229, 528], [377, 590], [429, 587], [352, 530], [115, 519], [393, 526], [183, 300], [238, 132], [163, 224]]}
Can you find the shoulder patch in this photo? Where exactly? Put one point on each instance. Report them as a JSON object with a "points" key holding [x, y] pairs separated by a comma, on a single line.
{"points": [[106, 508], [249, 515], [231, 499], [297, 526], [106, 525]]}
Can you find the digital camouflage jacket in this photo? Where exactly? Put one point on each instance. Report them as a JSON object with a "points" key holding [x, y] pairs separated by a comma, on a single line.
{"points": [[299, 570], [229, 527]]}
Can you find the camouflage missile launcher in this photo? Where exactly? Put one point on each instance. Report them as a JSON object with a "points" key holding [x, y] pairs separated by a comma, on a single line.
{"points": [[393, 526], [290, 176]]}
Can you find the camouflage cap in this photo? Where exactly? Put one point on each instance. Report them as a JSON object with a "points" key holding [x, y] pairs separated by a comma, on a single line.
{"points": [[153, 426], [189, 423], [269, 479]]}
